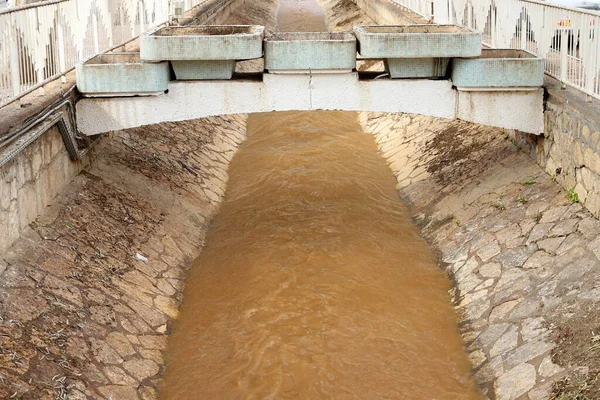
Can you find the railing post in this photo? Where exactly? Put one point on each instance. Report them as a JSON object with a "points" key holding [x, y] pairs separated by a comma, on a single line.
{"points": [[142, 16], [15, 79], [95, 31], [121, 23], [470, 15], [109, 26], [564, 48], [60, 38], [591, 57], [39, 67], [524, 32], [431, 10], [493, 25]]}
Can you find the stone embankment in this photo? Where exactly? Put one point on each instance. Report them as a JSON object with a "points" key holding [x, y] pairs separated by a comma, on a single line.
{"points": [[343, 15], [525, 258], [88, 293]]}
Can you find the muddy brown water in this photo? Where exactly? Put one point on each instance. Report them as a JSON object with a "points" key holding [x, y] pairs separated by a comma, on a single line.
{"points": [[313, 282], [300, 16]]}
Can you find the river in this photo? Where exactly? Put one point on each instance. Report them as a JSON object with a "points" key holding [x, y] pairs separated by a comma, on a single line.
{"points": [[314, 282]]}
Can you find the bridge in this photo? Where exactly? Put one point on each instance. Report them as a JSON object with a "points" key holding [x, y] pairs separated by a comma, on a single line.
{"points": [[94, 261], [514, 109], [37, 62]]}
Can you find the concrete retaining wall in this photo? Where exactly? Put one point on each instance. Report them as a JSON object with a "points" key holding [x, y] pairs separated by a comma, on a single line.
{"points": [[31, 180], [569, 150]]}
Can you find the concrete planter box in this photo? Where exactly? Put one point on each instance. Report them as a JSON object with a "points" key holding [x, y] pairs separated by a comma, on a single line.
{"points": [[203, 52], [121, 74], [498, 68], [298, 52], [417, 51], [417, 41]]}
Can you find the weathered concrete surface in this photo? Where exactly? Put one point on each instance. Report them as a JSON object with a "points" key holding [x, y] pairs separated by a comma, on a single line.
{"points": [[417, 41], [498, 69], [88, 292], [310, 52], [122, 73], [323, 91], [202, 43], [520, 252]]}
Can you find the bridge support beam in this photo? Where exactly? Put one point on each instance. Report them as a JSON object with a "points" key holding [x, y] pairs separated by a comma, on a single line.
{"points": [[192, 100], [520, 110]]}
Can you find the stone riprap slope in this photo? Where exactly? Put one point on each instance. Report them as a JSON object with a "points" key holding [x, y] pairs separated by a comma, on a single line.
{"points": [[249, 14], [522, 255], [343, 15], [88, 293]]}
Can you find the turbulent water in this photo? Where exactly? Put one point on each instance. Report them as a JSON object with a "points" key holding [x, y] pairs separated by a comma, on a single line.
{"points": [[313, 282]]}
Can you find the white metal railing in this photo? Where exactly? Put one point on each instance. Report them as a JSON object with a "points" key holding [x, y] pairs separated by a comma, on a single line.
{"points": [[42, 41], [568, 38], [421, 7]]}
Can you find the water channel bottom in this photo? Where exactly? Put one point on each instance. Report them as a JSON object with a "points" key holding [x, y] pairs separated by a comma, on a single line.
{"points": [[313, 283], [300, 16]]}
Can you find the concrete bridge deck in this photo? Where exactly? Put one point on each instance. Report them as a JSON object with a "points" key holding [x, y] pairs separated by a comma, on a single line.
{"points": [[521, 110]]}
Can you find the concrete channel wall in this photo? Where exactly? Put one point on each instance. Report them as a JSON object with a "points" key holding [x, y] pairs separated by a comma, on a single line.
{"points": [[31, 180]]}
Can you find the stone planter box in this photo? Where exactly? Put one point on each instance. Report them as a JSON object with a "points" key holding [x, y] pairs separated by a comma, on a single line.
{"points": [[203, 52], [121, 74], [498, 68], [317, 52], [417, 51]]}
